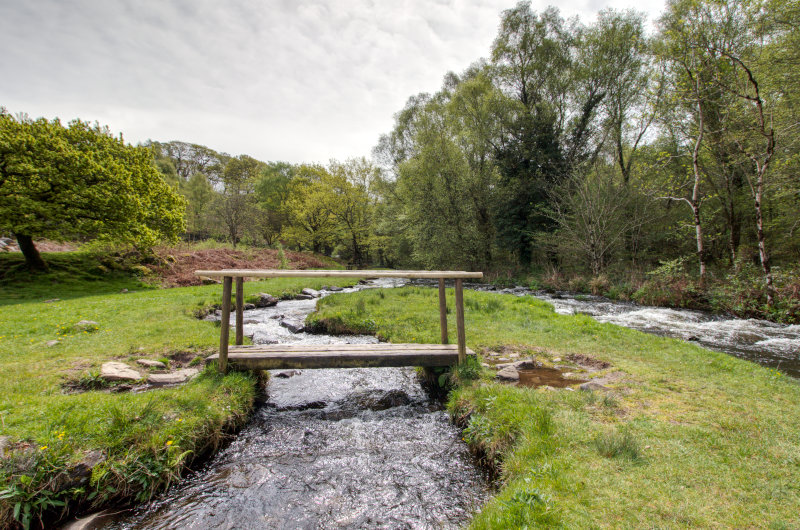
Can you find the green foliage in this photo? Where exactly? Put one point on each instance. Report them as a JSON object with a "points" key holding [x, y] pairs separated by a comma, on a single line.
{"points": [[61, 182]]}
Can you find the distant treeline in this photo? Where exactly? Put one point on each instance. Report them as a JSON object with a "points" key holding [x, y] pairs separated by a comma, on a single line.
{"points": [[594, 148]]}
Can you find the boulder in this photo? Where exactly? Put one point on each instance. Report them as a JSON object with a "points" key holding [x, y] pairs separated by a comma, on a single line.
{"points": [[380, 399], [249, 306], [509, 373], [51, 343], [116, 371], [173, 378], [334, 289], [302, 296], [311, 292], [287, 374], [52, 300], [150, 363], [295, 326], [265, 300], [86, 325]]}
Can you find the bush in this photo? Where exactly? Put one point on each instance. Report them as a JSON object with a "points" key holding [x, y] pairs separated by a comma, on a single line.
{"points": [[599, 284]]}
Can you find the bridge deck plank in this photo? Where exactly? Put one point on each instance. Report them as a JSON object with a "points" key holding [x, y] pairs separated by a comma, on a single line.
{"points": [[282, 356]]}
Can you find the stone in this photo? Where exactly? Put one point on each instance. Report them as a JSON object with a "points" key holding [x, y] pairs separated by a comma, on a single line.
{"points": [[287, 374], [311, 292], [173, 378], [51, 343], [205, 280], [380, 400], [293, 325], [86, 325], [591, 385], [52, 300], [116, 371], [5, 444], [556, 359], [509, 373], [249, 306], [527, 364], [150, 363], [302, 296], [124, 291], [334, 289]]}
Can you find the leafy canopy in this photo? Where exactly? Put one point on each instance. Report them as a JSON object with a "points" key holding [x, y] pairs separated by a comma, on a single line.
{"points": [[61, 182]]}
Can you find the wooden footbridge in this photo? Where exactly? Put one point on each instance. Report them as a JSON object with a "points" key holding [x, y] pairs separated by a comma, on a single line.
{"points": [[279, 356]]}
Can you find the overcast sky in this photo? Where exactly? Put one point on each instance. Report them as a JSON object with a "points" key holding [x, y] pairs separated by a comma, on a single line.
{"points": [[279, 80]]}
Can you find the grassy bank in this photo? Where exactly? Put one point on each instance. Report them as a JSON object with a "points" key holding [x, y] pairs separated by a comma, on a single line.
{"points": [[686, 438], [96, 447]]}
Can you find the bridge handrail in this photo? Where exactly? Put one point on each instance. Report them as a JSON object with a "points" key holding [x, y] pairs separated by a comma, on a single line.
{"points": [[228, 276], [320, 273]]}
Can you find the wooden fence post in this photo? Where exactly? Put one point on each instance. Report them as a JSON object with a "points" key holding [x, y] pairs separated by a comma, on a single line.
{"points": [[442, 311], [462, 337], [225, 323], [239, 310]]}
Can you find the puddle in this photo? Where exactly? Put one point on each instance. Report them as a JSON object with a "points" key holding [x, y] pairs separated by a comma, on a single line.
{"points": [[534, 377]]}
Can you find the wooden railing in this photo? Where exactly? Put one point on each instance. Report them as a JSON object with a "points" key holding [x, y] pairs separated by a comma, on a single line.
{"points": [[228, 276]]}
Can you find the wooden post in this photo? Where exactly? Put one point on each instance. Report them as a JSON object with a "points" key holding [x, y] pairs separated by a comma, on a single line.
{"points": [[462, 337], [442, 311], [225, 323], [239, 309]]}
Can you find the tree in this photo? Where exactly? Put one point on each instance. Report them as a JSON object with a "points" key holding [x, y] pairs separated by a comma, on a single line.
{"points": [[592, 216], [722, 40], [271, 192], [61, 182], [348, 201], [199, 194], [188, 159], [311, 223], [235, 203]]}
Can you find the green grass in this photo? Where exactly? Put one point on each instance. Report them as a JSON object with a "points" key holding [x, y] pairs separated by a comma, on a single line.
{"points": [[70, 275], [146, 438], [689, 438]]}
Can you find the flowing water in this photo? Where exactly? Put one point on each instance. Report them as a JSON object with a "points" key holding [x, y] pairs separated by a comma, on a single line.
{"points": [[760, 341], [344, 448]]}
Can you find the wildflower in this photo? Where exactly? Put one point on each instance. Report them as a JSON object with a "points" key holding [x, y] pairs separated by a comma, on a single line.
{"points": [[169, 442], [180, 419], [42, 448]]}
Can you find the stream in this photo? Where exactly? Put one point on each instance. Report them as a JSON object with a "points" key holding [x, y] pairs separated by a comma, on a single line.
{"points": [[760, 341], [333, 448]]}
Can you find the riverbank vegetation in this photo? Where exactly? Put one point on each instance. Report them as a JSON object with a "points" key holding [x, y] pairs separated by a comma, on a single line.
{"points": [[72, 440], [683, 437]]}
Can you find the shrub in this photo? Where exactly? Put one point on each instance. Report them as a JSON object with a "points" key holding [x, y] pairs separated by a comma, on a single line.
{"points": [[599, 284]]}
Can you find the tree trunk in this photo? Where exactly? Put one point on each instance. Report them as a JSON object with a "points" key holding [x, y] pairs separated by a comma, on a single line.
{"points": [[762, 248], [33, 259], [695, 202]]}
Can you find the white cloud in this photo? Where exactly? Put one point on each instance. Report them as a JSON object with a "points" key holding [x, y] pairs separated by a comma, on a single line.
{"points": [[280, 80]]}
